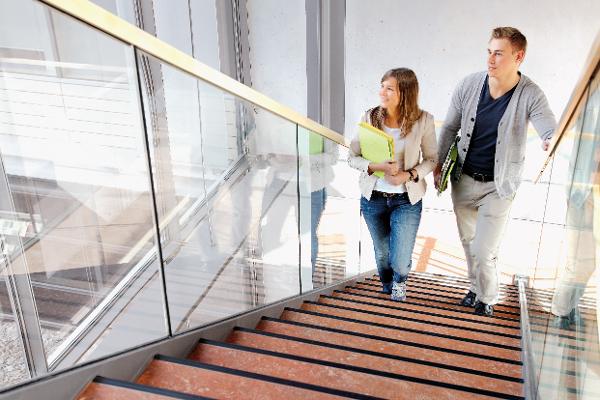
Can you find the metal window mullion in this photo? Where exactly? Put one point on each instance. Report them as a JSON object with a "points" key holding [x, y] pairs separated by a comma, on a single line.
{"points": [[298, 214], [20, 293], [153, 195]]}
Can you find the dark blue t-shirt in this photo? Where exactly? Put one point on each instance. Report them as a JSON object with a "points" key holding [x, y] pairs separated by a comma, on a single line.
{"points": [[482, 148]]}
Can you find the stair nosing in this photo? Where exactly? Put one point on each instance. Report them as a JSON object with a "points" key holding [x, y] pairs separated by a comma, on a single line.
{"points": [[376, 282], [362, 370], [395, 305], [391, 340], [560, 335], [265, 378], [437, 301], [505, 347], [148, 389], [420, 280], [482, 331], [383, 355], [415, 289], [453, 278], [463, 310]]}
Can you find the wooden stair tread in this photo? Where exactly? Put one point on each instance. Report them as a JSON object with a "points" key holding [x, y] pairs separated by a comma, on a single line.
{"points": [[354, 343], [376, 362], [337, 377]]}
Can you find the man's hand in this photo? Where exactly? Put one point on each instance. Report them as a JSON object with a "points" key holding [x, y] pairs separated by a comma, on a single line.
{"points": [[546, 144], [437, 174]]}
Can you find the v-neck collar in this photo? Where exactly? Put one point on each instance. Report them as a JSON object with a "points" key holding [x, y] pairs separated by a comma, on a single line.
{"points": [[486, 88]]}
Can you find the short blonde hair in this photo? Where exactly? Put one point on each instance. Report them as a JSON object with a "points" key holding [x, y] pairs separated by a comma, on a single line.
{"points": [[517, 40]]}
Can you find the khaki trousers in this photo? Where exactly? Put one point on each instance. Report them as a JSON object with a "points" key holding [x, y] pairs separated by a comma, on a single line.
{"points": [[481, 217], [583, 244]]}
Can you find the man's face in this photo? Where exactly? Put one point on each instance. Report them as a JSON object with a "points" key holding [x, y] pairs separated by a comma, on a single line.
{"points": [[503, 60]]}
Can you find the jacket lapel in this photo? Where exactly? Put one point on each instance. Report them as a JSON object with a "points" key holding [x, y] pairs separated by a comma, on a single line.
{"points": [[411, 146]]}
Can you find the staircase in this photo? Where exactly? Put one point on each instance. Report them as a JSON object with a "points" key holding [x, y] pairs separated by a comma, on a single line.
{"points": [[354, 343]]}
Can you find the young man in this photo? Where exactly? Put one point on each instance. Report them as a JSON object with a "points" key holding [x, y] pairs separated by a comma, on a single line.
{"points": [[491, 109]]}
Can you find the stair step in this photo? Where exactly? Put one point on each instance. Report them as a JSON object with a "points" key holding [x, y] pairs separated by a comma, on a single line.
{"points": [[400, 333], [454, 280], [372, 315], [393, 347], [356, 343], [111, 389], [444, 292], [372, 360], [433, 314], [191, 377], [448, 286], [418, 304], [474, 328], [362, 381], [442, 298]]}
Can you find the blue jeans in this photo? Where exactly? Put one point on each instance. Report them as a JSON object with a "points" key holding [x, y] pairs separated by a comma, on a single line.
{"points": [[318, 199], [393, 223]]}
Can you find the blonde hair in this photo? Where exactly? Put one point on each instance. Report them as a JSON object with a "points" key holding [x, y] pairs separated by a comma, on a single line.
{"points": [[408, 110]]}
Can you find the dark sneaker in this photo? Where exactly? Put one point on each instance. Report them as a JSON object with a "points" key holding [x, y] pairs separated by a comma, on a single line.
{"points": [[386, 288], [484, 309], [563, 323], [572, 321], [469, 300], [399, 291]]}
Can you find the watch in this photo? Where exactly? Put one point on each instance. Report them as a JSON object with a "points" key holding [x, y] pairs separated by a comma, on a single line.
{"points": [[412, 175]]}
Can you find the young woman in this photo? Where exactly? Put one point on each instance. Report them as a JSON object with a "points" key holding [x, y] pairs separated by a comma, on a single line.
{"points": [[392, 205]]}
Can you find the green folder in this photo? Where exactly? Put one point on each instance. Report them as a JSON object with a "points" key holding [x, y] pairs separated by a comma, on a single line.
{"points": [[375, 145], [315, 143], [448, 166]]}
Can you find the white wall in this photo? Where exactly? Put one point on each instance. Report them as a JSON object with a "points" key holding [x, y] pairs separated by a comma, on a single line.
{"points": [[277, 37], [443, 41], [277, 40]]}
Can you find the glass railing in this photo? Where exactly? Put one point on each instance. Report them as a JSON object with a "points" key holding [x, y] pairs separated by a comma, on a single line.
{"points": [[564, 305], [145, 195], [139, 201], [77, 201]]}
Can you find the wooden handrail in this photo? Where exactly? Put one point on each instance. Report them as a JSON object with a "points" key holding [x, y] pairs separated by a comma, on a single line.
{"points": [[111, 24]]}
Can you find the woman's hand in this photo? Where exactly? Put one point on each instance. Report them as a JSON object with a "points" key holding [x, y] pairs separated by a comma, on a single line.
{"points": [[392, 168], [398, 179], [387, 167]]}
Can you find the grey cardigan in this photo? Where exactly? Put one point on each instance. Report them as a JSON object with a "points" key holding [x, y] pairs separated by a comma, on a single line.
{"points": [[528, 103], [420, 153]]}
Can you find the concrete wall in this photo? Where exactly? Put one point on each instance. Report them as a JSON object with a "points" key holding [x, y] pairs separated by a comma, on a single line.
{"points": [[443, 41], [277, 37], [277, 40]]}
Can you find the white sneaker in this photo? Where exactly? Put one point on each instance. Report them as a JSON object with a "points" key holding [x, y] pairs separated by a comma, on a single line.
{"points": [[399, 291]]}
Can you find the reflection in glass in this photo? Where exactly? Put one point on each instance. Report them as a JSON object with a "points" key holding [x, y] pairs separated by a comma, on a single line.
{"points": [[329, 215], [568, 348], [583, 224], [80, 214], [227, 208]]}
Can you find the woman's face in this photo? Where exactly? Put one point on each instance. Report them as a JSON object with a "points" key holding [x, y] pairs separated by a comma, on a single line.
{"points": [[388, 94]]}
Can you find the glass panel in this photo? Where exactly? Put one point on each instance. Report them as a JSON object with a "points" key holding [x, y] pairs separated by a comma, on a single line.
{"points": [[72, 142], [228, 221], [567, 362], [329, 212]]}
